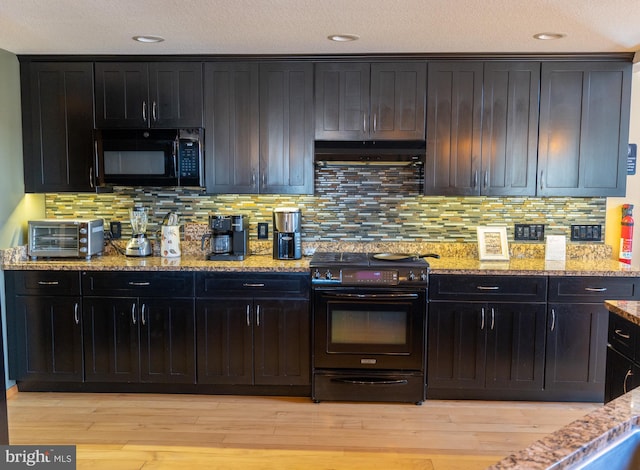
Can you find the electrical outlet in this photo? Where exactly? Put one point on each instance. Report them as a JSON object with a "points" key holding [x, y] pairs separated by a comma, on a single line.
{"points": [[263, 230], [529, 232], [586, 233], [116, 229]]}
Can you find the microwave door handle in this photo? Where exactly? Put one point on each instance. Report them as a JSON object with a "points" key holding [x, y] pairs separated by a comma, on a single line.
{"points": [[175, 159]]}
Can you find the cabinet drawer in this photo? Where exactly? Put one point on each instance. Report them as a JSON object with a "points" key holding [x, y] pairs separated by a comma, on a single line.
{"points": [[491, 288], [592, 289], [258, 284], [623, 336], [45, 282], [138, 283]]}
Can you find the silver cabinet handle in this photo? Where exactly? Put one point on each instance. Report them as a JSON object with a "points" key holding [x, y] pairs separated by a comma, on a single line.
{"points": [[595, 289], [253, 179], [143, 319], [553, 319], [486, 178], [249, 284], [139, 283], [488, 287], [364, 122], [626, 377], [375, 122], [258, 315], [95, 157], [48, 283], [134, 320], [264, 180], [621, 334], [248, 315], [541, 179], [482, 319], [154, 111], [475, 179], [76, 312], [91, 177], [493, 318]]}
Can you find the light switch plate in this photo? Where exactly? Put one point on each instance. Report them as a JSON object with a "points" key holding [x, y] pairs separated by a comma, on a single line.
{"points": [[586, 233], [263, 230], [529, 232]]}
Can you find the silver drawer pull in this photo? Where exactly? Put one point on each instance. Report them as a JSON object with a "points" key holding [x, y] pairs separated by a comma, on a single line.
{"points": [[488, 287], [138, 284], [595, 289], [622, 335], [260, 284], [48, 283]]}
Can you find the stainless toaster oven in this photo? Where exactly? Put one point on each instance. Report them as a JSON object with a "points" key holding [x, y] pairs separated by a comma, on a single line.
{"points": [[65, 238]]}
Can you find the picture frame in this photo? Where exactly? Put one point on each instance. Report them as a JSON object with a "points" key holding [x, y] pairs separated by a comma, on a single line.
{"points": [[492, 244]]}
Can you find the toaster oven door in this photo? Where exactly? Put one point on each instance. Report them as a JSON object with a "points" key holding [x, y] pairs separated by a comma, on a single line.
{"points": [[59, 239]]}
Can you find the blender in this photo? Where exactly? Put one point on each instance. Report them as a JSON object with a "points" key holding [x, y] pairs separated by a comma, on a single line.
{"points": [[139, 245]]}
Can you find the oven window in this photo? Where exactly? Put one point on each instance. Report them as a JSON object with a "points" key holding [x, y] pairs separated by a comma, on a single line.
{"points": [[368, 327], [134, 162]]}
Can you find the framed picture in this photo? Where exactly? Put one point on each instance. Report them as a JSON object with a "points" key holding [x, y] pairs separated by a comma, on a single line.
{"points": [[492, 243]]}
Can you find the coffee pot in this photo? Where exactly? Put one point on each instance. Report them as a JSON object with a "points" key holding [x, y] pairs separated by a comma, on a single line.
{"points": [[228, 238], [287, 236]]}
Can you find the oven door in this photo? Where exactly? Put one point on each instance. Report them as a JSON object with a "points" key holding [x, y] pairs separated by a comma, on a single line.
{"points": [[380, 328]]}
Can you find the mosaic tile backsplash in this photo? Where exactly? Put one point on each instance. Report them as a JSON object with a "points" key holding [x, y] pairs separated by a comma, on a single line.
{"points": [[354, 204]]}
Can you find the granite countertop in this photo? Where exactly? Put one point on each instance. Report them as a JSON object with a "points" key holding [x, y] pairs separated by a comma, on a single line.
{"points": [[574, 442], [265, 262], [628, 309]]}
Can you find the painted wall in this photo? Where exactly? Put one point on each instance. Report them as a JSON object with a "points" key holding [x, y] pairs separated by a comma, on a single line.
{"points": [[15, 207], [614, 204]]}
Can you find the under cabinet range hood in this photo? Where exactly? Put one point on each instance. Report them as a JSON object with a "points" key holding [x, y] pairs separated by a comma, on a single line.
{"points": [[379, 152]]}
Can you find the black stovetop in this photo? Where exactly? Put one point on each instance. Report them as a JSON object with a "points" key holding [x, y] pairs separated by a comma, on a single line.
{"points": [[350, 259]]}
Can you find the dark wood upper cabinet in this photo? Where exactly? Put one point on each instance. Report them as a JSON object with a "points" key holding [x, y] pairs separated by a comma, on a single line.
{"points": [[511, 92], [454, 128], [155, 94], [286, 128], [584, 128], [259, 121], [370, 101], [57, 126], [231, 123], [482, 128]]}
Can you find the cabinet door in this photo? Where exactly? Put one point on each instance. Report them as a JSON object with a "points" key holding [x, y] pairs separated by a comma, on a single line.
{"points": [[342, 101], [48, 345], [454, 120], [231, 121], [510, 128], [175, 94], [225, 341], [57, 104], [456, 346], [584, 128], [622, 375], [515, 346], [167, 340], [576, 351], [122, 95], [398, 92], [286, 128], [111, 342], [282, 342]]}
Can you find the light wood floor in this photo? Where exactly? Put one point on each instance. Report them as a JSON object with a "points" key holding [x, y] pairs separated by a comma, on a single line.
{"points": [[142, 431]]}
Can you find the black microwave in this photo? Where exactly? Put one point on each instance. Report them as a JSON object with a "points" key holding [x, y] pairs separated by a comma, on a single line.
{"points": [[149, 157]]}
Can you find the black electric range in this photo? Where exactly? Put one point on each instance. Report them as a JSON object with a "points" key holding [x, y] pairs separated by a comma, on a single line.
{"points": [[364, 269]]}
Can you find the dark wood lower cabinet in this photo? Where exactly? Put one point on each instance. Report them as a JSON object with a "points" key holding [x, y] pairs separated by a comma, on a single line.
{"points": [[485, 350], [253, 341], [139, 340], [576, 352]]}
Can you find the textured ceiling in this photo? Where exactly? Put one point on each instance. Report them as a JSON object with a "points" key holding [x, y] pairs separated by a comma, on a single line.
{"points": [[302, 26]]}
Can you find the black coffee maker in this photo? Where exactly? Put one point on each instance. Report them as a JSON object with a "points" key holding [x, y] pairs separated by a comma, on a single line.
{"points": [[228, 238], [287, 236]]}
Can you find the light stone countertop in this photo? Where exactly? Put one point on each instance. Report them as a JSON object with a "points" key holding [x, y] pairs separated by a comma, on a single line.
{"points": [[627, 309]]}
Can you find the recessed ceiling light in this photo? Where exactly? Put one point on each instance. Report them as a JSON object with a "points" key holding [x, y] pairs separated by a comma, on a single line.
{"points": [[148, 39], [343, 37], [549, 36]]}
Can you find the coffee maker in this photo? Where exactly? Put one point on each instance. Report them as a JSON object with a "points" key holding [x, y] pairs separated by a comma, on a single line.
{"points": [[287, 238], [229, 237]]}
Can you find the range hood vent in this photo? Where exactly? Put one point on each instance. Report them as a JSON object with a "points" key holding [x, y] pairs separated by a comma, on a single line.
{"points": [[382, 153]]}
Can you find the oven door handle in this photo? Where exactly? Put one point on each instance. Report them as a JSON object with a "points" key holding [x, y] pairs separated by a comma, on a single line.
{"points": [[370, 381], [371, 296]]}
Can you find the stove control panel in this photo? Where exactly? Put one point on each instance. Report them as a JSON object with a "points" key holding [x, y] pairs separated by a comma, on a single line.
{"points": [[368, 276]]}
